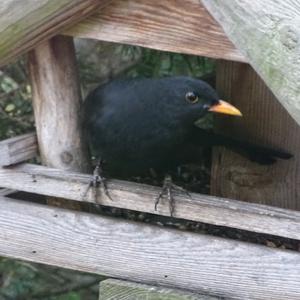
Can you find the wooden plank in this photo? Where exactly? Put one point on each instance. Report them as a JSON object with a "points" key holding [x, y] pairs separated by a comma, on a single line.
{"points": [[18, 149], [111, 289], [56, 103], [170, 25], [22, 27], [264, 122], [129, 195], [6, 192], [267, 32], [147, 254]]}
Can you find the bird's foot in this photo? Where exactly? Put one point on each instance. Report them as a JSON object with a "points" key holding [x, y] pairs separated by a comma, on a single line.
{"points": [[98, 181], [167, 190]]}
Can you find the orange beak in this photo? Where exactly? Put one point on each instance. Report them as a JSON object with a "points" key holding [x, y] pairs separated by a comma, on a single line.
{"points": [[224, 107]]}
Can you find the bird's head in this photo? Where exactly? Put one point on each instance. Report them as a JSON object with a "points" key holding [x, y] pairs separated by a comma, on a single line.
{"points": [[195, 98]]}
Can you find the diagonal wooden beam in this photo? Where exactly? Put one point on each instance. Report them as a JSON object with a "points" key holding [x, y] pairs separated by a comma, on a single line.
{"points": [[267, 32], [24, 25], [148, 254], [140, 197], [169, 25]]}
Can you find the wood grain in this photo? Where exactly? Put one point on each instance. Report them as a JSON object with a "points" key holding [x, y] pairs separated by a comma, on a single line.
{"points": [[147, 254], [170, 25], [22, 27], [267, 33], [139, 197], [264, 122], [6, 192], [18, 149], [112, 289], [57, 104]]}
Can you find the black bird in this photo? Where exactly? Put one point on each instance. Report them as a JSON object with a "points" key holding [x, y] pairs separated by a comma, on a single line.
{"points": [[139, 124]]}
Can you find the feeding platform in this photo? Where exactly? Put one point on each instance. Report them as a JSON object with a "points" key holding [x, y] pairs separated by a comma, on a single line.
{"points": [[263, 37]]}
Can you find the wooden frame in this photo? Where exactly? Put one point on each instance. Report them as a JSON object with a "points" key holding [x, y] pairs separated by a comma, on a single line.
{"points": [[120, 248]]}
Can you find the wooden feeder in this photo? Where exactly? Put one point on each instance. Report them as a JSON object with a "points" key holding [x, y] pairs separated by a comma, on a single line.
{"points": [[266, 37]]}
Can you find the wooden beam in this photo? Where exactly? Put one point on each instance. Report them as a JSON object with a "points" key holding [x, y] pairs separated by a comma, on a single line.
{"points": [[146, 254], [139, 197], [264, 122], [57, 104], [22, 27], [267, 32], [6, 192], [18, 149], [177, 26], [111, 289]]}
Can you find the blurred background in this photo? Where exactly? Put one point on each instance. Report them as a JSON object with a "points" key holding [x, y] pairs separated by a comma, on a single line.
{"points": [[98, 62]]}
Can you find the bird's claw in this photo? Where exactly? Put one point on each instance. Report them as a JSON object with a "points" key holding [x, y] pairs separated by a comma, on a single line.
{"points": [[97, 181], [167, 189]]}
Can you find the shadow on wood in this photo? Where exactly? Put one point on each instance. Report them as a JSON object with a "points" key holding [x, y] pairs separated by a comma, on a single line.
{"points": [[265, 122]]}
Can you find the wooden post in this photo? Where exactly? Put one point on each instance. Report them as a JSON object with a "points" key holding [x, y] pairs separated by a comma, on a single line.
{"points": [[57, 105], [264, 122], [111, 289]]}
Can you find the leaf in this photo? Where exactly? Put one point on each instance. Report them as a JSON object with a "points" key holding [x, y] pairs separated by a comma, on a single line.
{"points": [[8, 84], [10, 107]]}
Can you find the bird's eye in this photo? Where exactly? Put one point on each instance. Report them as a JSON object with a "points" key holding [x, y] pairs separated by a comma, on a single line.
{"points": [[191, 97]]}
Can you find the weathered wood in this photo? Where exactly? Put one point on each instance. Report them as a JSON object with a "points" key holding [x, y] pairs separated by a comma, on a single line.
{"points": [[264, 122], [112, 289], [18, 149], [177, 26], [6, 192], [57, 104], [147, 254], [139, 197], [267, 32], [24, 25]]}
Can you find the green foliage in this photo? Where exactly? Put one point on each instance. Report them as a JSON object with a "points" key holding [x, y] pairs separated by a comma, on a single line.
{"points": [[160, 64], [16, 277], [15, 101]]}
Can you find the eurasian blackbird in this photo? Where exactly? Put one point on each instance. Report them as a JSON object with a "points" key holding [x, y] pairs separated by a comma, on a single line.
{"points": [[135, 125]]}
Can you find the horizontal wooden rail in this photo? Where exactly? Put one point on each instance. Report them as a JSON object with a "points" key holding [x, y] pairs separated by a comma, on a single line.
{"points": [[146, 253], [140, 197], [18, 149], [170, 25]]}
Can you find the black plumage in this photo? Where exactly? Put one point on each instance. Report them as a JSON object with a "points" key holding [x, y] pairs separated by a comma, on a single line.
{"points": [[138, 124]]}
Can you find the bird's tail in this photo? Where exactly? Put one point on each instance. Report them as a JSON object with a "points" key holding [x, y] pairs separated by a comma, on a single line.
{"points": [[260, 154]]}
